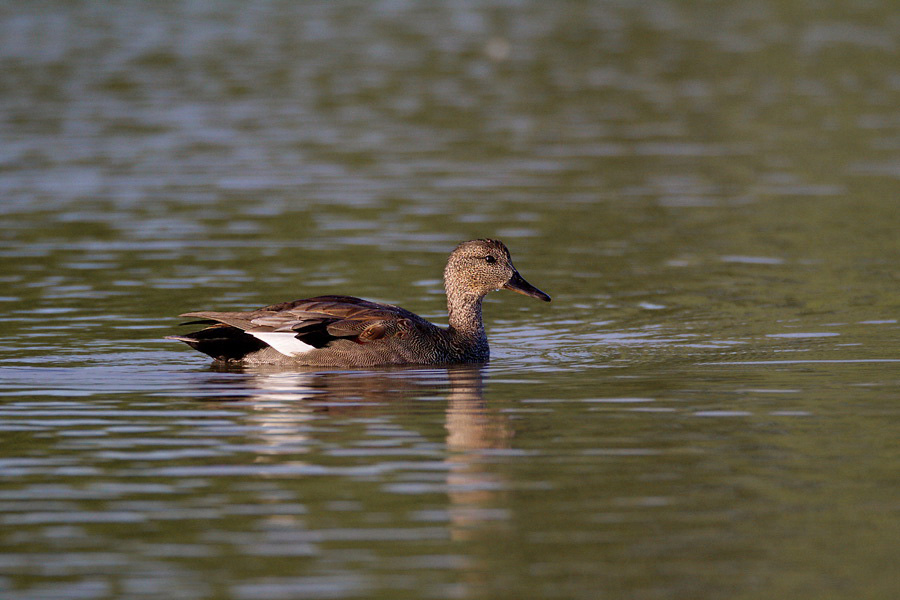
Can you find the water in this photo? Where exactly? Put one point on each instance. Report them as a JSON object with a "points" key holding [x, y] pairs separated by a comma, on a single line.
{"points": [[706, 410]]}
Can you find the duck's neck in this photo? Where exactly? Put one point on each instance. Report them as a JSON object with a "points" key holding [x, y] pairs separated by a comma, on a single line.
{"points": [[465, 316]]}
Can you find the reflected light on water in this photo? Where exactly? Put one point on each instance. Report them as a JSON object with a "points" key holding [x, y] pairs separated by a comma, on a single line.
{"points": [[707, 192]]}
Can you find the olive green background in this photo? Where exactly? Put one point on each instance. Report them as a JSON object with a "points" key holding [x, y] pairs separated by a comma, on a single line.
{"points": [[708, 190]]}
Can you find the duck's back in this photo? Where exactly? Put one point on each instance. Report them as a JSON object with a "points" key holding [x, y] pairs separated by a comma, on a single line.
{"points": [[335, 331]]}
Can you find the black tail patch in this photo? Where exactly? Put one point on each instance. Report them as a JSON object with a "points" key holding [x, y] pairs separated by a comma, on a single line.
{"points": [[222, 342]]}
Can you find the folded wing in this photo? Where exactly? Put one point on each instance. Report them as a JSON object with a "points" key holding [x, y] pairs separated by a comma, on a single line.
{"points": [[294, 328]]}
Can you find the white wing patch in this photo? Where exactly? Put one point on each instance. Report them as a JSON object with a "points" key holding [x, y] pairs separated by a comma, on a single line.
{"points": [[284, 342]]}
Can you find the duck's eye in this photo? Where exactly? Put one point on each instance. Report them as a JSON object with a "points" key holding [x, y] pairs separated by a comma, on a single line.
{"points": [[490, 259]]}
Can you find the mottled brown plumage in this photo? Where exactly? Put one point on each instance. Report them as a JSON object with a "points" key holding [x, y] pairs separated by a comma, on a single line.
{"points": [[343, 331]]}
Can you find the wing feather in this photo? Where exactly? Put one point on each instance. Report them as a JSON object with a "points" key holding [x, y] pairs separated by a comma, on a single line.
{"points": [[318, 321]]}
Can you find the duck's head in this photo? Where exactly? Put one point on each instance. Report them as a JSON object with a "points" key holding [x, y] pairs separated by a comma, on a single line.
{"points": [[478, 267]]}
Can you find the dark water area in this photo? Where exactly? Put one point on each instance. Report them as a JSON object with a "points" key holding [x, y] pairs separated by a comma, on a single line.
{"points": [[709, 191]]}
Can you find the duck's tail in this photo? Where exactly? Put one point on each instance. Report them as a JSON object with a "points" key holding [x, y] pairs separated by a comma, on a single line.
{"points": [[222, 342]]}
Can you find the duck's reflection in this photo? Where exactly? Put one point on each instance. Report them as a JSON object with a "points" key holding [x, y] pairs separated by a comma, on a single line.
{"points": [[285, 403], [472, 428]]}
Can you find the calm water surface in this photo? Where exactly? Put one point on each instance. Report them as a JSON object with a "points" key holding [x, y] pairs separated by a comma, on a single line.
{"points": [[708, 409]]}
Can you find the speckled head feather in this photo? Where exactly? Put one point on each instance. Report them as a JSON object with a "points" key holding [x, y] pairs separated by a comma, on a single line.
{"points": [[478, 267]]}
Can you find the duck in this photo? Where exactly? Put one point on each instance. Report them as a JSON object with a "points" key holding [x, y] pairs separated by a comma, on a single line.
{"points": [[349, 332]]}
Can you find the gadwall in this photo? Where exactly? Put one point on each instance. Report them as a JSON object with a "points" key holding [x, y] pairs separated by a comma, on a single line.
{"points": [[343, 331]]}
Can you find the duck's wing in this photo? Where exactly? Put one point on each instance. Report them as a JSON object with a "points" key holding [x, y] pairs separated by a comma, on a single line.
{"points": [[297, 327]]}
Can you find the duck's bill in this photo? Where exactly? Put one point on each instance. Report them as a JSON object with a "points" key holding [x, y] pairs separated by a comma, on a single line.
{"points": [[517, 284]]}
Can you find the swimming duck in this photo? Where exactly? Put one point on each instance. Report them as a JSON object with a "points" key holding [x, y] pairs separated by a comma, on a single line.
{"points": [[343, 331]]}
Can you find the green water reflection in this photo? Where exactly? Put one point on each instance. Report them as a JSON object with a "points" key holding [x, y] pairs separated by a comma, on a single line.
{"points": [[706, 410]]}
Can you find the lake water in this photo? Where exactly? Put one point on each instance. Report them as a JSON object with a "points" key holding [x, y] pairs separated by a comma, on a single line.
{"points": [[709, 191]]}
